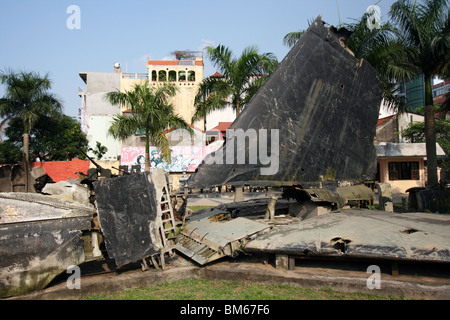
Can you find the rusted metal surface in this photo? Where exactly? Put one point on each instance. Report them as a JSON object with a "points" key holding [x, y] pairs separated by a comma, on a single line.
{"points": [[361, 234], [40, 237], [324, 103]]}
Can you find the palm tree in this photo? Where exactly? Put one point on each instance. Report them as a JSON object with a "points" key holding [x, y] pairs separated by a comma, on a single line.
{"points": [[425, 36], [151, 114], [375, 46], [241, 78], [382, 49], [27, 98], [417, 41]]}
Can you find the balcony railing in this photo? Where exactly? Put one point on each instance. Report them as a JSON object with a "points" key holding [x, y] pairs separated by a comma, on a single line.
{"points": [[135, 75]]}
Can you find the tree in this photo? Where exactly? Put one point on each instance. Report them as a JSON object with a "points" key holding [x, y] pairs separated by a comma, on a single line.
{"points": [[424, 31], [242, 77], [415, 42], [416, 133], [376, 46], [381, 48], [28, 99], [9, 152], [150, 113], [56, 138], [99, 150]]}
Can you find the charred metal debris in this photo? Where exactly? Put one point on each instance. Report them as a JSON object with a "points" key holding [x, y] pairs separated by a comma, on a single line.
{"points": [[324, 104]]}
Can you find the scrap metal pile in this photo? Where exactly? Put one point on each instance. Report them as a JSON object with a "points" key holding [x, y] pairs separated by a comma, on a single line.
{"points": [[321, 104]]}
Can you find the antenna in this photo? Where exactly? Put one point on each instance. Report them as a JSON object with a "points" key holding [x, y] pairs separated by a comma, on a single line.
{"points": [[339, 14]]}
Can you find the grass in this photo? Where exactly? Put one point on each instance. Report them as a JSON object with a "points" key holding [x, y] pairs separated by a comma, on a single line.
{"points": [[204, 289]]}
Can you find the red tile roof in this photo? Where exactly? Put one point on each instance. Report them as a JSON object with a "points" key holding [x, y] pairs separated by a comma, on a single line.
{"points": [[222, 126], [216, 75], [170, 62], [384, 120], [162, 62]]}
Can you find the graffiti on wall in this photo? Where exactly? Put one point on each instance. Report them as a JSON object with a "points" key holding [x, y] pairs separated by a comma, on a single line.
{"points": [[184, 158]]}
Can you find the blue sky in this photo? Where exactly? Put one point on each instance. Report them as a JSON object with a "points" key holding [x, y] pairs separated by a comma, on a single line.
{"points": [[34, 35]]}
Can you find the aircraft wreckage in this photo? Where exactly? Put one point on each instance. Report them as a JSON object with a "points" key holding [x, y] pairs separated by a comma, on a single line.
{"points": [[316, 115]]}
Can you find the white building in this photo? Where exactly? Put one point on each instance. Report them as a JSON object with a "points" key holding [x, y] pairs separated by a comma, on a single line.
{"points": [[96, 113]]}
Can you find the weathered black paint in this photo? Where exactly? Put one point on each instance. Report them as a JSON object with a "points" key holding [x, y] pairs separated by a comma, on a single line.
{"points": [[324, 103], [126, 208], [33, 253]]}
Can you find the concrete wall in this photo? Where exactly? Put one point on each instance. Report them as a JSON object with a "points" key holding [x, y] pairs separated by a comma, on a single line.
{"points": [[98, 113], [181, 137], [225, 115], [102, 82], [107, 165], [98, 131], [404, 119]]}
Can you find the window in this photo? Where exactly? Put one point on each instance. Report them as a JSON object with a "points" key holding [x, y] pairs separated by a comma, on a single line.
{"points": [[403, 170], [172, 76], [182, 76], [438, 91], [191, 75], [154, 75], [162, 75]]}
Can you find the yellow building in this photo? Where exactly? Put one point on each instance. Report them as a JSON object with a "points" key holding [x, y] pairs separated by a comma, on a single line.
{"points": [[187, 75], [186, 72]]}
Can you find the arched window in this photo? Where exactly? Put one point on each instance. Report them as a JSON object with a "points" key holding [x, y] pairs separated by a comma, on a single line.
{"points": [[191, 75], [172, 75], [154, 77], [162, 75], [181, 75]]}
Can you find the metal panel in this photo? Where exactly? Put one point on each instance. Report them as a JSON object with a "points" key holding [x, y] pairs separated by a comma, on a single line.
{"points": [[362, 234], [324, 103], [40, 237], [213, 235], [127, 210]]}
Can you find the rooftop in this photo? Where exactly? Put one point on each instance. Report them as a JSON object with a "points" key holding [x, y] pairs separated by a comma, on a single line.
{"points": [[405, 150], [194, 62]]}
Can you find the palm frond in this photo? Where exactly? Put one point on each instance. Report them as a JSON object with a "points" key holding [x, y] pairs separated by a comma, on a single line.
{"points": [[124, 126], [291, 38]]}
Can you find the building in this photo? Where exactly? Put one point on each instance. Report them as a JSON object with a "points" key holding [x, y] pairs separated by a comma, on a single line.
{"points": [[400, 162], [187, 75], [440, 90], [218, 132], [413, 92], [96, 114], [403, 165], [389, 128]]}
